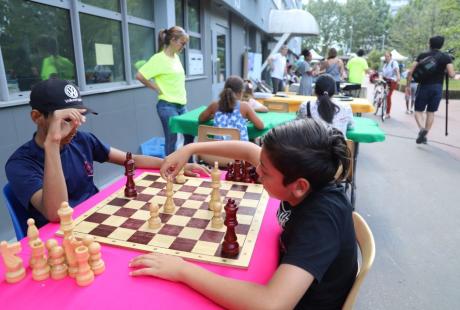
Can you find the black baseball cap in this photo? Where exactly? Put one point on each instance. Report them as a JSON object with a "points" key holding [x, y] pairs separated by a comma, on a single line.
{"points": [[54, 94]]}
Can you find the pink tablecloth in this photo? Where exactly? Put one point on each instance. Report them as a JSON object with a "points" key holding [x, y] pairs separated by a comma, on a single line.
{"points": [[115, 289]]}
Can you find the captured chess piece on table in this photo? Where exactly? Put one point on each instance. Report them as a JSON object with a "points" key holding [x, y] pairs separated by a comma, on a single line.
{"points": [[14, 266], [130, 189]]}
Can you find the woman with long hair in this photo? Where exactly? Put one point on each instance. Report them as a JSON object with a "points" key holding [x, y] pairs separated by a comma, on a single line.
{"points": [[168, 73]]}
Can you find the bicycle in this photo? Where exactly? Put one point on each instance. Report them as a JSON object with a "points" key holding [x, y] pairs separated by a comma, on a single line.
{"points": [[380, 98]]}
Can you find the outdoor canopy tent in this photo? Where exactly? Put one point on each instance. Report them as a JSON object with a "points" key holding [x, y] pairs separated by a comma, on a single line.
{"points": [[315, 55], [396, 56]]}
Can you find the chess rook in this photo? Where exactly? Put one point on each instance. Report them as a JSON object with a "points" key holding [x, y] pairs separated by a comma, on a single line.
{"points": [[130, 189], [39, 263]]}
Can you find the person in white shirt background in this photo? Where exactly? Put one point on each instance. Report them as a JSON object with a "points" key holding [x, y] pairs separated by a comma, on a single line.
{"points": [[277, 63]]}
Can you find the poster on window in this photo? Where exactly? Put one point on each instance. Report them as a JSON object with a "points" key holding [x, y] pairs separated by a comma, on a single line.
{"points": [[195, 63]]}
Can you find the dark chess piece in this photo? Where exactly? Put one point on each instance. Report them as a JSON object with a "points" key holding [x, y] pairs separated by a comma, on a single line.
{"points": [[230, 172], [230, 246], [254, 175], [130, 189], [237, 171], [247, 172]]}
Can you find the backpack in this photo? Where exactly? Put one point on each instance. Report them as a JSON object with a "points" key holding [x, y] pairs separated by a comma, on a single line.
{"points": [[426, 67]]}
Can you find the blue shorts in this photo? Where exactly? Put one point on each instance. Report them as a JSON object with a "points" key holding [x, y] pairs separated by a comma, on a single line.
{"points": [[428, 97]]}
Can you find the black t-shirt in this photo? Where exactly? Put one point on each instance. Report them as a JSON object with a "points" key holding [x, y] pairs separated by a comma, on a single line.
{"points": [[319, 237], [442, 60]]}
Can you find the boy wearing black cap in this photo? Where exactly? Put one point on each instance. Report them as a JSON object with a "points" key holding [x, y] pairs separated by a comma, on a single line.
{"points": [[57, 164]]}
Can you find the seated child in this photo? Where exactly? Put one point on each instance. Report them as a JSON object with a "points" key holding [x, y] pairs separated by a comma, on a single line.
{"points": [[248, 96], [336, 114], [229, 111], [318, 252]]}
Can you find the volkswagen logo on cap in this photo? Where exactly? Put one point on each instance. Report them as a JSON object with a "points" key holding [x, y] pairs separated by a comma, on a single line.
{"points": [[71, 91]]}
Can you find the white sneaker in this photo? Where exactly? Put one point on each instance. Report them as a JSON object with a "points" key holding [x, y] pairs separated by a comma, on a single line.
{"points": [[408, 112]]}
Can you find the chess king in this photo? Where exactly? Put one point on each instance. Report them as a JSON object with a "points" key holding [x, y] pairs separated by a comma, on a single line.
{"points": [[56, 165]]}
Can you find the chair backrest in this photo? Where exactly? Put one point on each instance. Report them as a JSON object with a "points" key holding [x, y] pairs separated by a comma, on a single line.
{"points": [[208, 133], [367, 248], [18, 214]]}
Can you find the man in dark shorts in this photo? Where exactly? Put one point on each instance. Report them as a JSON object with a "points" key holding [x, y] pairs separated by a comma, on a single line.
{"points": [[429, 91]]}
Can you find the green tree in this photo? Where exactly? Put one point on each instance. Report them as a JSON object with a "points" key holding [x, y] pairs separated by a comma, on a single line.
{"points": [[329, 15]]}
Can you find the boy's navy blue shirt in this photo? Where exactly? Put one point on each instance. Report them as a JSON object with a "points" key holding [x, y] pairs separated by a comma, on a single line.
{"points": [[25, 170], [319, 237]]}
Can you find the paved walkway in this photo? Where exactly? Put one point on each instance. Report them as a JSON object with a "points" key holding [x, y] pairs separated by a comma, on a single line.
{"points": [[410, 196]]}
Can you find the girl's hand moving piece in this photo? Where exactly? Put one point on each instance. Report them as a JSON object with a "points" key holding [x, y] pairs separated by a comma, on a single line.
{"points": [[174, 162]]}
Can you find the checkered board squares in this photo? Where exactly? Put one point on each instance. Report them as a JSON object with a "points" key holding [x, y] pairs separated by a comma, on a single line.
{"points": [[187, 232]]}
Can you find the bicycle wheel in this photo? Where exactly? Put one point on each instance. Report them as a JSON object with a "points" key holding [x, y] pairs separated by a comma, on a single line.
{"points": [[384, 108], [377, 101]]}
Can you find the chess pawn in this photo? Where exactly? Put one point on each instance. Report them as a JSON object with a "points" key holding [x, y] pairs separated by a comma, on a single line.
{"points": [[15, 270], [32, 231], [180, 178], [56, 260], [39, 263], [85, 275], [229, 176], [65, 215], [154, 220], [237, 171], [95, 261]]}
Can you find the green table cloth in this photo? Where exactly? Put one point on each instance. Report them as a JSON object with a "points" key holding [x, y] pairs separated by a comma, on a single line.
{"points": [[365, 130]]}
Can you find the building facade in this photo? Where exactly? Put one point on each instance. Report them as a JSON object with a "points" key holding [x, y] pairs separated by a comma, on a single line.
{"points": [[100, 44]]}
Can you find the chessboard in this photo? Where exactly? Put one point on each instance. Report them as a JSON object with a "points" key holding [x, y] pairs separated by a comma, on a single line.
{"points": [[187, 232]]}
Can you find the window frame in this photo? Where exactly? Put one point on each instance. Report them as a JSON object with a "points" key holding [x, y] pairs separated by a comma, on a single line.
{"points": [[192, 34], [74, 8]]}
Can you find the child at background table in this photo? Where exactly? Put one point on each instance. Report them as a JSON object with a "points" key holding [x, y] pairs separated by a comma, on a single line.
{"points": [[318, 253], [248, 96], [338, 115], [230, 111]]}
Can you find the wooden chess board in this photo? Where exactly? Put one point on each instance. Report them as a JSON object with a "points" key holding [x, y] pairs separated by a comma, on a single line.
{"points": [[122, 221]]}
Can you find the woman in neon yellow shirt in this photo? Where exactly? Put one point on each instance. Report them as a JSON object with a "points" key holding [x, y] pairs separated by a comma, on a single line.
{"points": [[168, 73]]}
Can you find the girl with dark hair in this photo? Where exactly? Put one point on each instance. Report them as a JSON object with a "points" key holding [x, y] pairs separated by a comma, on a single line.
{"points": [[334, 67], [307, 73], [230, 111], [168, 73], [338, 115], [318, 254]]}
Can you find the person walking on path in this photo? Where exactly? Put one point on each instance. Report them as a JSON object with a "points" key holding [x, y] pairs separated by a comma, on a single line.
{"points": [[429, 91], [357, 68], [278, 64], [334, 67], [167, 70], [307, 73], [391, 75]]}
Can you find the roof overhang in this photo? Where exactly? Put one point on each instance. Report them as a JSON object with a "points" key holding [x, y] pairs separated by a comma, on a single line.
{"points": [[296, 22]]}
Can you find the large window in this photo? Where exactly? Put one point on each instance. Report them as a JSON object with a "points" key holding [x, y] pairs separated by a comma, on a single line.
{"points": [[36, 44], [141, 45], [102, 49], [141, 8], [37, 37], [188, 16], [113, 5]]}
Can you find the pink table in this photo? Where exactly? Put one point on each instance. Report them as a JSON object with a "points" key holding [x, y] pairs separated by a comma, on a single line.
{"points": [[115, 289]]}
